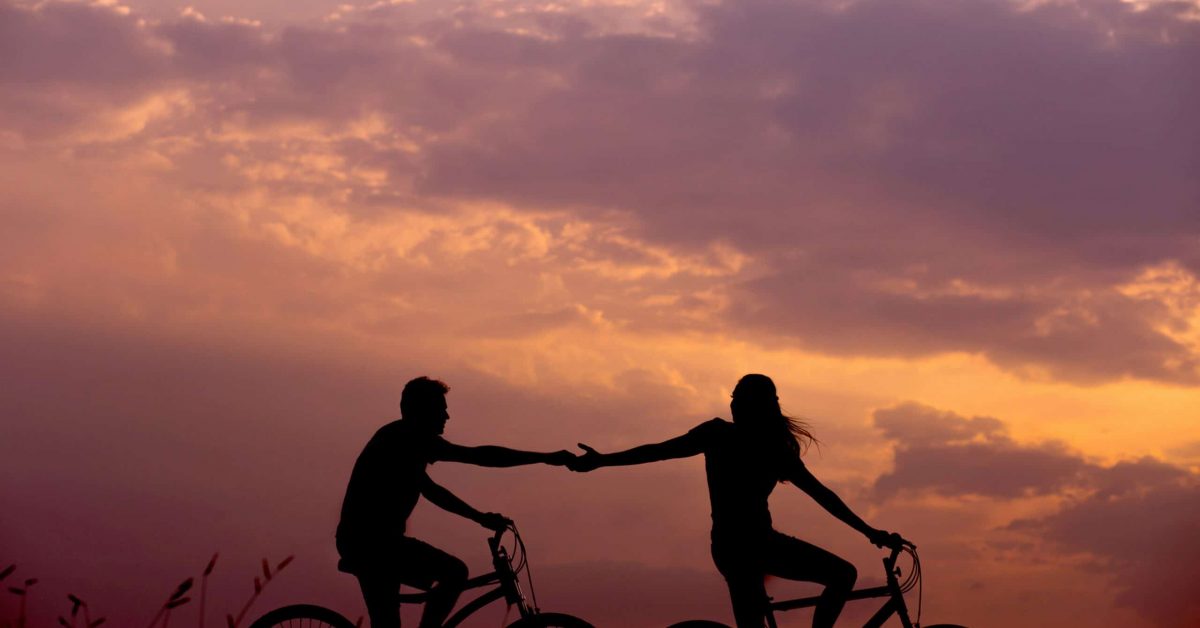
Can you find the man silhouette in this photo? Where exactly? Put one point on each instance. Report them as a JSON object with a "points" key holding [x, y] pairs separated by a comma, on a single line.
{"points": [[388, 478]]}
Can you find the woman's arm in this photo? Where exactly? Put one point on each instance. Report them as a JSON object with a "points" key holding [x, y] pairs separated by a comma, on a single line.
{"points": [[678, 447], [807, 482]]}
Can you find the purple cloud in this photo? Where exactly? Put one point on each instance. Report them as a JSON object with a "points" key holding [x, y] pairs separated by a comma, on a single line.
{"points": [[1139, 518], [953, 455], [1147, 533], [908, 179]]}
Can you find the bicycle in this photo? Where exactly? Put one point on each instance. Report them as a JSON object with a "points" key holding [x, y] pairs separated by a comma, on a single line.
{"points": [[506, 577], [894, 590]]}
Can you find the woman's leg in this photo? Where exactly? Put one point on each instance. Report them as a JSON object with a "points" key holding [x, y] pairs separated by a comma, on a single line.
{"points": [[749, 597], [743, 573], [791, 558]]}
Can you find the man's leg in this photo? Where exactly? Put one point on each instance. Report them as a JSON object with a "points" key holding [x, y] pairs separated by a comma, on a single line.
{"points": [[794, 559], [381, 593], [438, 572]]}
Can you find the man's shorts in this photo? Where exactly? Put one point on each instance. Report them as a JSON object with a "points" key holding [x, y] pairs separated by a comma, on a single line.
{"points": [[404, 559]]}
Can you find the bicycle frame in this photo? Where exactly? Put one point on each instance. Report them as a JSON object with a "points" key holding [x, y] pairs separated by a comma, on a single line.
{"points": [[894, 605], [508, 588]]}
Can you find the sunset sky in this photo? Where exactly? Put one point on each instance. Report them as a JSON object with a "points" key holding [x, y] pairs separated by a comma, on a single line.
{"points": [[962, 236]]}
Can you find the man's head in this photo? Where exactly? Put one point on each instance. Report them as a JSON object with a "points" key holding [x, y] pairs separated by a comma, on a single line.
{"points": [[423, 402]]}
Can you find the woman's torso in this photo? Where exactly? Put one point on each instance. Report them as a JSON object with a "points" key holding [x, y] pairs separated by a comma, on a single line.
{"points": [[740, 480]]}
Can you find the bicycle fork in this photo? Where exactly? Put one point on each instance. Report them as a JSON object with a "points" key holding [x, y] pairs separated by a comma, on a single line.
{"points": [[895, 603]]}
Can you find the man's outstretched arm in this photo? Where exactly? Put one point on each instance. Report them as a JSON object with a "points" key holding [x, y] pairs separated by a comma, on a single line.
{"points": [[495, 456], [439, 496]]}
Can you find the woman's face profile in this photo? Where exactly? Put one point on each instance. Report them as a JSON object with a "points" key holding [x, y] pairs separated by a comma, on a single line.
{"points": [[742, 406]]}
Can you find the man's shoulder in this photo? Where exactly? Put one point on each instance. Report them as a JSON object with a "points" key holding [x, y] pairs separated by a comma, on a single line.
{"points": [[392, 430], [399, 435]]}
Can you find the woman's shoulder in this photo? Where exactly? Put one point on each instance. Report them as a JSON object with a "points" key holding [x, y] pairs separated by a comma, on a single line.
{"points": [[712, 427]]}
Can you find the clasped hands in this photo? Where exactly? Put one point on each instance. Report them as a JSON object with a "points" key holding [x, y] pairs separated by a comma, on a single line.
{"points": [[589, 461]]}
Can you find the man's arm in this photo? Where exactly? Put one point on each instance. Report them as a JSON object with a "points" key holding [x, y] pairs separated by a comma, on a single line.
{"points": [[439, 496], [495, 456]]}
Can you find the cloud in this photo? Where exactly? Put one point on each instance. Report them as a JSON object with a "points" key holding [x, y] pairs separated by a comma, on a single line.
{"points": [[887, 197], [1187, 451], [1083, 334], [1144, 527], [958, 456], [1139, 518], [903, 200]]}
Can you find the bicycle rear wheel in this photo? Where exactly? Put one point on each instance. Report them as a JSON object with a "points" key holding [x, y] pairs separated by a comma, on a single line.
{"points": [[550, 620], [302, 616]]}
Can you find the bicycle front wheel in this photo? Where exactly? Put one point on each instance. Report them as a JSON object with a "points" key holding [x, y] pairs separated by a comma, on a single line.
{"points": [[302, 616], [550, 620]]}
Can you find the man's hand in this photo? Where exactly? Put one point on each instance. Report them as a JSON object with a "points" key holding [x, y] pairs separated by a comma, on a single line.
{"points": [[883, 538], [561, 458], [494, 521], [587, 462]]}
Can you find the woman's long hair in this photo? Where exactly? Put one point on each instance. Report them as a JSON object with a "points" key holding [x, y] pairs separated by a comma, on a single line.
{"points": [[787, 437]]}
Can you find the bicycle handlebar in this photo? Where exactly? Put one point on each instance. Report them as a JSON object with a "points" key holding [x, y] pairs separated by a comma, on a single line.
{"points": [[494, 542]]}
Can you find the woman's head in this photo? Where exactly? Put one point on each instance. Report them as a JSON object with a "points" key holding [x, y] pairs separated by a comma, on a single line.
{"points": [[755, 405], [754, 400]]}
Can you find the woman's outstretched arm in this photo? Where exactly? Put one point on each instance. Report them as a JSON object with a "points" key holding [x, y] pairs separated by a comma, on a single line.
{"points": [[678, 447]]}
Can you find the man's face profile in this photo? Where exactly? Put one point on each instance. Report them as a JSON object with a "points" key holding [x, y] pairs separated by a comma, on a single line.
{"points": [[433, 414]]}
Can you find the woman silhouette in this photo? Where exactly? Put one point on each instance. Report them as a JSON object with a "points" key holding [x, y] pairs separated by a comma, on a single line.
{"points": [[744, 460]]}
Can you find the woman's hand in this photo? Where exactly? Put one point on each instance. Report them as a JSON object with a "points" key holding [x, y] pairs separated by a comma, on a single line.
{"points": [[589, 461], [883, 538]]}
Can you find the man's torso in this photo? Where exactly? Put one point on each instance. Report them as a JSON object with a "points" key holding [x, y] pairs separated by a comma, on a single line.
{"points": [[385, 485]]}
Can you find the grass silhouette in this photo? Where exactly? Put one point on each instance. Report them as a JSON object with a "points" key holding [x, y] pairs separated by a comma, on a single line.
{"points": [[80, 614]]}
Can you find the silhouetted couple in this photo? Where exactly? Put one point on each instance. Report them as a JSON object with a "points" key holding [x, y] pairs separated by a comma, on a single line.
{"points": [[744, 460]]}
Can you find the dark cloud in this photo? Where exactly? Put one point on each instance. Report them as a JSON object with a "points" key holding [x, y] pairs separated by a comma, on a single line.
{"points": [[879, 155], [1074, 333], [202, 49], [57, 42], [1145, 527], [1140, 518], [913, 423], [953, 455], [1015, 130], [910, 179]]}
